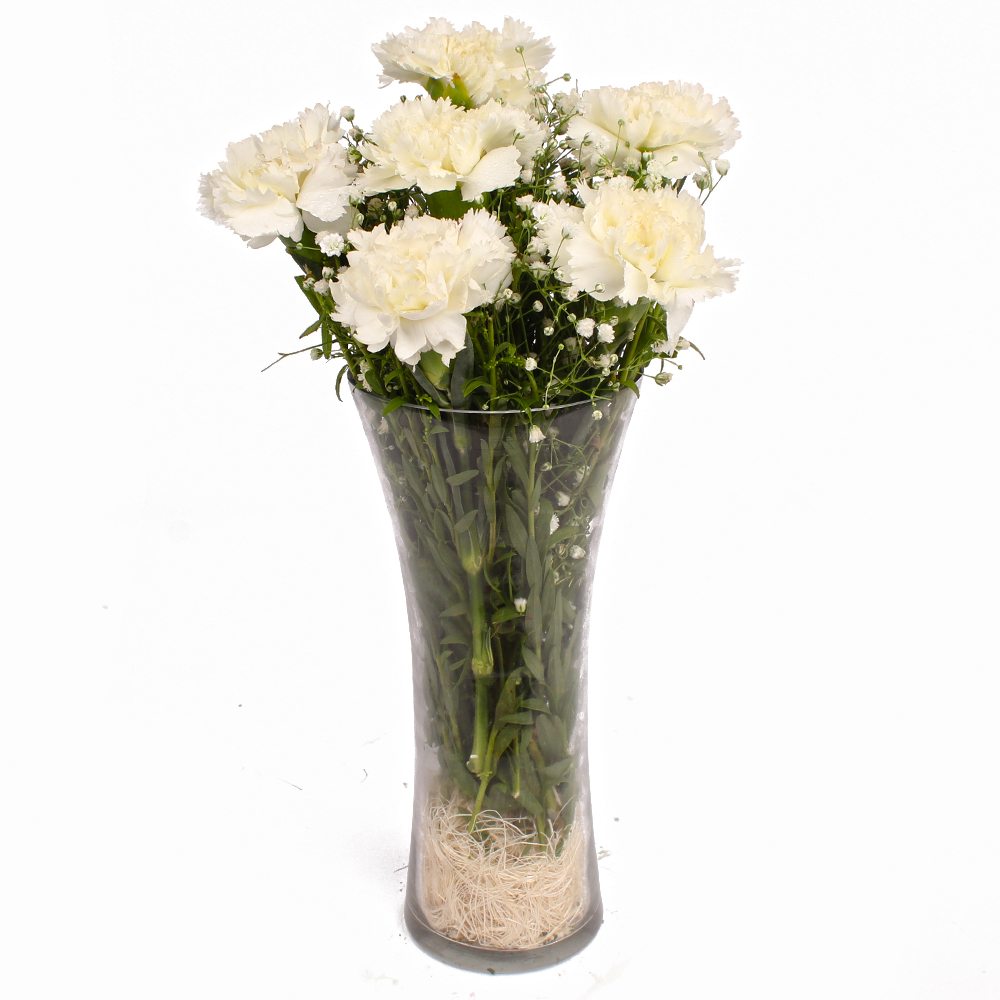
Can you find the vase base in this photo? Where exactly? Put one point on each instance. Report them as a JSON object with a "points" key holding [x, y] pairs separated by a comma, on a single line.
{"points": [[473, 958]]}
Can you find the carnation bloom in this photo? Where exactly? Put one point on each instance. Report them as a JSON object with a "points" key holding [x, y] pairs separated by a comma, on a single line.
{"points": [[438, 146], [411, 286], [485, 62], [274, 184], [633, 244], [677, 123]]}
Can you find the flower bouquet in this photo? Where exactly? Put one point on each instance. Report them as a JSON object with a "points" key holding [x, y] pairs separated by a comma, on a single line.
{"points": [[497, 267]]}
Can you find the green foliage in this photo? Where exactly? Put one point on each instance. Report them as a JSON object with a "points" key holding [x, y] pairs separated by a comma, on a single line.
{"points": [[475, 498]]}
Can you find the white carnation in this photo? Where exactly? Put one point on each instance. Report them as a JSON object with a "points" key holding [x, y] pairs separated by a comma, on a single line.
{"points": [[630, 244], [411, 286], [675, 122], [438, 146], [294, 175], [486, 62]]}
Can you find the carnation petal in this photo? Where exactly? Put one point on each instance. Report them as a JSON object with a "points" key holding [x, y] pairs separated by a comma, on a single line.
{"points": [[499, 168], [447, 335], [678, 313], [410, 341], [276, 215], [590, 266], [327, 188]]}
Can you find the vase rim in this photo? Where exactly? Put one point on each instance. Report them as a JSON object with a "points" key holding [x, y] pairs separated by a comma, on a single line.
{"points": [[484, 413]]}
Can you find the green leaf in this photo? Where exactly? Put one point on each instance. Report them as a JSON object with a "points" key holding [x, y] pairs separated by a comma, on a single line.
{"points": [[535, 496], [503, 740], [466, 522], [629, 384], [435, 394], [535, 704], [392, 405], [475, 383], [498, 471], [508, 699], [455, 609], [462, 477], [304, 253], [533, 567], [437, 480], [340, 378], [517, 531], [543, 519], [517, 718], [461, 371], [327, 340], [533, 662], [310, 329], [517, 461], [596, 482], [558, 772], [506, 615], [527, 797], [563, 534], [451, 87], [533, 617], [551, 737], [554, 638], [448, 204]]}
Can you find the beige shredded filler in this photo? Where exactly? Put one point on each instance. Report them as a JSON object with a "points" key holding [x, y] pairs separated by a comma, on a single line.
{"points": [[499, 887]]}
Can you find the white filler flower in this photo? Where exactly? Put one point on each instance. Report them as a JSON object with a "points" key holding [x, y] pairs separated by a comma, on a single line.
{"points": [[633, 244], [410, 287], [438, 146], [272, 185], [675, 122], [486, 63]]}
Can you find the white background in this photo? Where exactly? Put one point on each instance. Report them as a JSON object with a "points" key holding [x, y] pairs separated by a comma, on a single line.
{"points": [[794, 694]]}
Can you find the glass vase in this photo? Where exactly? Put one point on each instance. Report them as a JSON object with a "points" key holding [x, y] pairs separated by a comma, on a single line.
{"points": [[497, 517]]}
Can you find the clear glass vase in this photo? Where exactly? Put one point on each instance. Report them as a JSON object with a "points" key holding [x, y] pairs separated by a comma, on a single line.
{"points": [[497, 519]]}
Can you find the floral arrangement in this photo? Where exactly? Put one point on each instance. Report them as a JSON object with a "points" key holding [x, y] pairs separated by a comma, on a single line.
{"points": [[557, 239], [494, 248]]}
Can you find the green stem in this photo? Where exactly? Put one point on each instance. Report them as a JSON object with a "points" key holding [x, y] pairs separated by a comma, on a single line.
{"points": [[481, 732], [484, 780], [482, 648], [482, 670], [637, 332]]}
